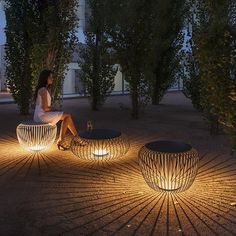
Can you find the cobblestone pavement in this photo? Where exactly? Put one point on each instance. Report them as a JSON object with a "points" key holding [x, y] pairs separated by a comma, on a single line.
{"points": [[55, 193]]}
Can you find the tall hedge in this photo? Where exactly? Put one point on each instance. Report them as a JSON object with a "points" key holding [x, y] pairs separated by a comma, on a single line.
{"points": [[18, 50], [96, 58], [39, 34], [213, 51], [53, 39]]}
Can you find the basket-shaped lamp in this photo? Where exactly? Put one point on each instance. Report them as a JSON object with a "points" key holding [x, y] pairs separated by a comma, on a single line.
{"points": [[100, 144], [36, 136], [168, 165]]}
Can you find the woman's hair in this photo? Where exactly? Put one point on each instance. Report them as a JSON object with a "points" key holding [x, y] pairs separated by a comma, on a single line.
{"points": [[42, 81]]}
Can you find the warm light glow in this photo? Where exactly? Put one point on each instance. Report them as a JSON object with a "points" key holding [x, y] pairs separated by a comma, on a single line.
{"points": [[165, 171], [100, 152], [168, 184], [100, 149], [36, 137], [37, 148]]}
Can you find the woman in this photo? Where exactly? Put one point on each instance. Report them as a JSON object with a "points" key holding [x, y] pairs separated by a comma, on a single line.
{"points": [[43, 110]]}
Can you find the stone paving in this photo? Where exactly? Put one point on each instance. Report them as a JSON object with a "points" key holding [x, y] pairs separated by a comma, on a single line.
{"points": [[55, 193]]}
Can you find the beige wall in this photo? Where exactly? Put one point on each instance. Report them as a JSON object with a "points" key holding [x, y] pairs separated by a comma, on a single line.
{"points": [[71, 80], [81, 14], [118, 82]]}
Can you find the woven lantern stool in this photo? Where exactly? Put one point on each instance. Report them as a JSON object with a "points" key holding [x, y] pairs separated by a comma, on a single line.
{"points": [[168, 165], [36, 137], [100, 144]]}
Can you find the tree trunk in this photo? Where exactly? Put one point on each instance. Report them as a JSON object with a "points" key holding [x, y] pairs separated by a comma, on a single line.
{"points": [[135, 105], [155, 93], [214, 125], [95, 93], [156, 87]]}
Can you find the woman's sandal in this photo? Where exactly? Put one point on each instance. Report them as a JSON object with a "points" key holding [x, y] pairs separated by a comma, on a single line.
{"points": [[79, 141], [61, 147]]}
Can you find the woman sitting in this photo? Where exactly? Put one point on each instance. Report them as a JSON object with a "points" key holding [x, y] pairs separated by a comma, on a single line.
{"points": [[43, 110]]}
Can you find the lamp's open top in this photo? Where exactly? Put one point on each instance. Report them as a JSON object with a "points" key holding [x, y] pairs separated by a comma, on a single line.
{"points": [[168, 146], [100, 134]]}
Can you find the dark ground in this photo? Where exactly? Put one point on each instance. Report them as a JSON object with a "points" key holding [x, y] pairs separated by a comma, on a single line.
{"points": [[55, 193]]}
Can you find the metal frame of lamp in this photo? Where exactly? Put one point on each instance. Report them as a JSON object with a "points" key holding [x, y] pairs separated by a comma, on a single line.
{"points": [[36, 136], [168, 171], [100, 149]]}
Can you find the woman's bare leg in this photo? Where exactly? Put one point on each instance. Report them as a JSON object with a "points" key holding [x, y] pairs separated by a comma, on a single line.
{"points": [[71, 126], [67, 122], [63, 129]]}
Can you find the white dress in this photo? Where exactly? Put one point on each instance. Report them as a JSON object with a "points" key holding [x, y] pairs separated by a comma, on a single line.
{"points": [[40, 115]]}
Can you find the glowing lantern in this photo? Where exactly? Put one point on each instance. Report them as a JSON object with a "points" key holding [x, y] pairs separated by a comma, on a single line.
{"points": [[100, 144], [100, 152], [36, 136], [168, 165]]}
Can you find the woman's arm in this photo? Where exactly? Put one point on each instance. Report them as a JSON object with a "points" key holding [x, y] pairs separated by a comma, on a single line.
{"points": [[44, 97]]}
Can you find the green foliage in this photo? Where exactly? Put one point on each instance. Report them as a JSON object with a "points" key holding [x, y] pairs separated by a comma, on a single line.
{"points": [[53, 39], [43, 37], [129, 33], [146, 38], [97, 67], [192, 81], [214, 43], [18, 43], [166, 40]]}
